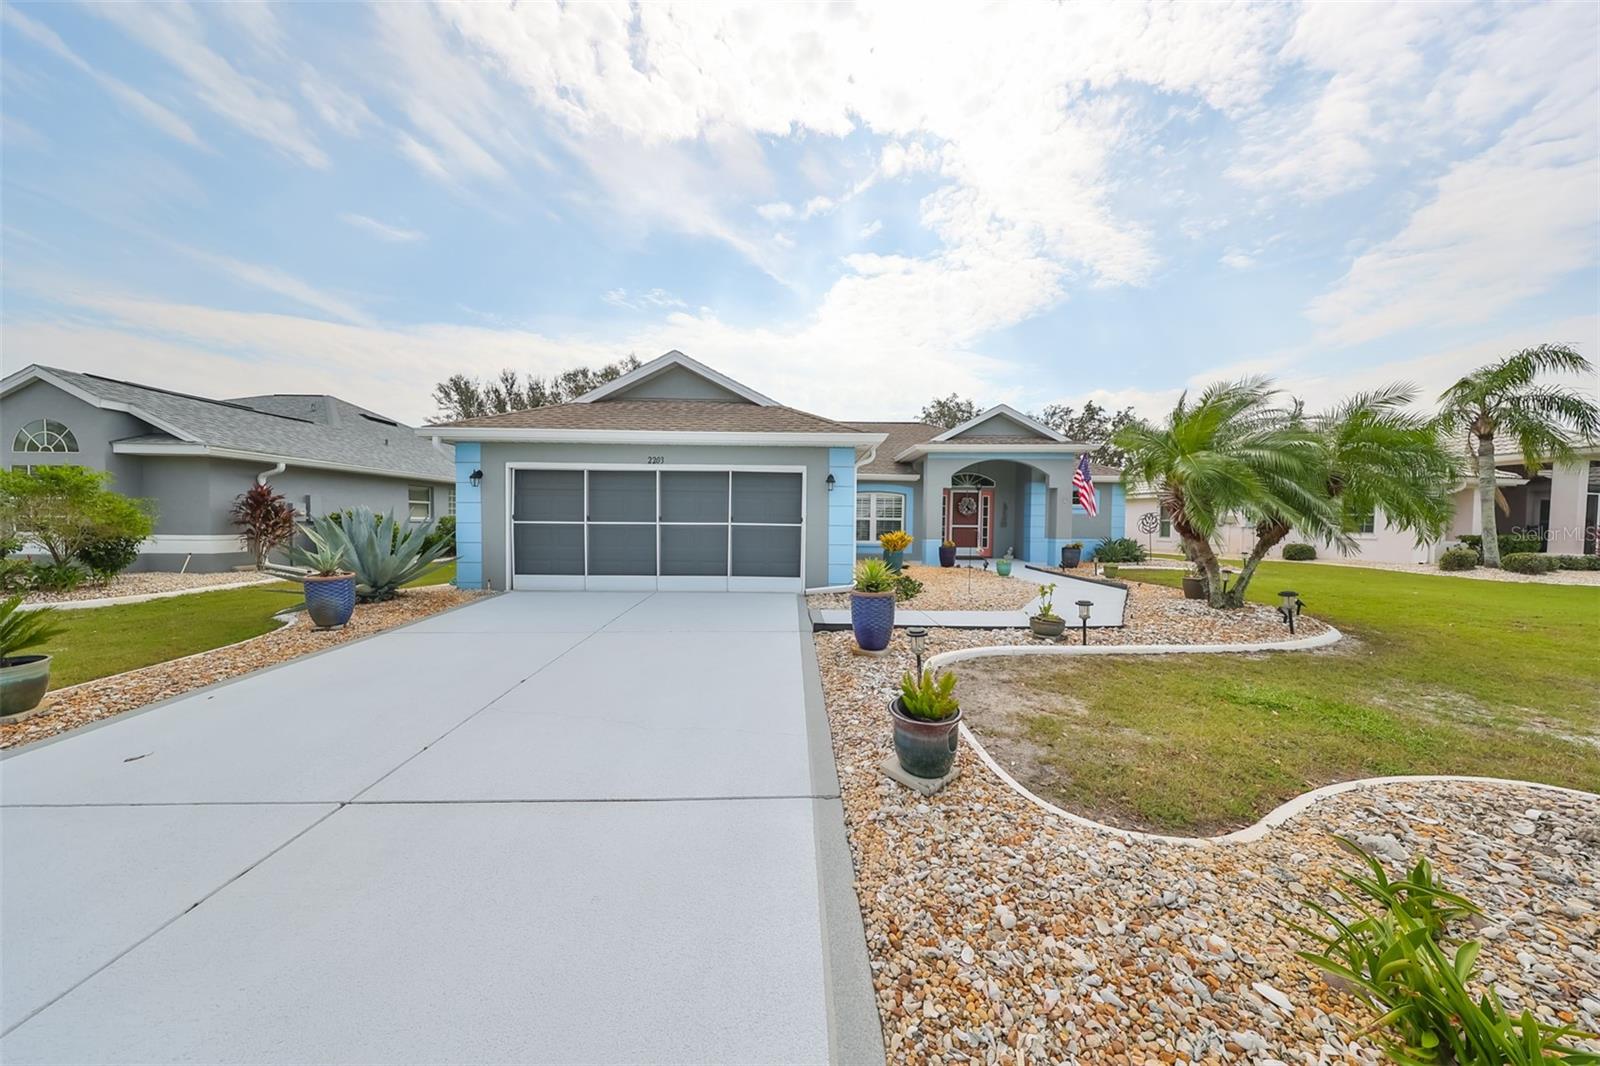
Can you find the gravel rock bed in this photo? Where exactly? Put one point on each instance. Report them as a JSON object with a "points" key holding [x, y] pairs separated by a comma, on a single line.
{"points": [[144, 584], [994, 925], [69, 708], [954, 588]]}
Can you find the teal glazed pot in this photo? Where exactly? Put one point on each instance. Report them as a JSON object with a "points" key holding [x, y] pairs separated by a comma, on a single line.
{"points": [[925, 749]]}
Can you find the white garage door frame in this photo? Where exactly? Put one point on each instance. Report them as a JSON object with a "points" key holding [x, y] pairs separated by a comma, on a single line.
{"points": [[665, 583]]}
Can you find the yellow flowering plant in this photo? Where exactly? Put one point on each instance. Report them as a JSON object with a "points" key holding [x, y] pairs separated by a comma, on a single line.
{"points": [[895, 541]]}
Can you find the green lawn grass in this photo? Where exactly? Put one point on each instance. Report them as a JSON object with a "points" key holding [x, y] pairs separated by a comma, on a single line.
{"points": [[102, 641], [1441, 675]]}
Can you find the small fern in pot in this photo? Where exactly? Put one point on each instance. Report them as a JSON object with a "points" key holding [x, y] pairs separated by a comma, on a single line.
{"points": [[927, 717]]}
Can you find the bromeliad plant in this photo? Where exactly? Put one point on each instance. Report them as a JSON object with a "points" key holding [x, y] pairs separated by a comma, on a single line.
{"points": [[897, 540], [929, 699], [382, 555], [874, 575], [1393, 958]]}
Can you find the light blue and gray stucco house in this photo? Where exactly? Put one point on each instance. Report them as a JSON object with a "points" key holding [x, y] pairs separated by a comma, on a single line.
{"points": [[675, 476], [193, 455]]}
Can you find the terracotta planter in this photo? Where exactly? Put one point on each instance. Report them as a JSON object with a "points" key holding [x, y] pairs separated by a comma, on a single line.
{"points": [[1047, 627], [330, 599], [925, 749], [1194, 588], [24, 679], [947, 556], [872, 619]]}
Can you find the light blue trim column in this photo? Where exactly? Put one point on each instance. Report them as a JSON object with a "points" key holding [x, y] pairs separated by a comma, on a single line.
{"points": [[469, 518], [842, 516], [1035, 548], [1119, 516]]}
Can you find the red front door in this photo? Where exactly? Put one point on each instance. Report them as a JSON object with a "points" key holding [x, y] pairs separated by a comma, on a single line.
{"points": [[969, 520]]}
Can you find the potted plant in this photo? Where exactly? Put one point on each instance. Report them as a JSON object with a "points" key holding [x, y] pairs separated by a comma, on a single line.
{"points": [[872, 604], [1046, 623], [1194, 583], [330, 588], [1111, 569], [895, 543], [926, 716], [1002, 565], [1071, 555], [24, 679], [947, 553]]}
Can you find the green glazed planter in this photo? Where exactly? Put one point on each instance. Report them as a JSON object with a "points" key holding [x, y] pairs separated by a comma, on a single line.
{"points": [[925, 749], [23, 682], [895, 560], [1003, 567]]}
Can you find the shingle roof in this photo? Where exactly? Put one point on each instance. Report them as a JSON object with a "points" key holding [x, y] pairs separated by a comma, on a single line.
{"points": [[667, 416], [320, 428], [901, 435]]}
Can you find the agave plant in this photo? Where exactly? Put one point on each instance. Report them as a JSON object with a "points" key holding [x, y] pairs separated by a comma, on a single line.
{"points": [[325, 558], [383, 553], [21, 630]]}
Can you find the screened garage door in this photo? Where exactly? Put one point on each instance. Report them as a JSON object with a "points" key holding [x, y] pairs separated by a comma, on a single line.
{"points": [[656, 528]]}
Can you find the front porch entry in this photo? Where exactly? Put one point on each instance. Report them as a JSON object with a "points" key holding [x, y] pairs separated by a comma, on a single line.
{"points": [[968, 515]]}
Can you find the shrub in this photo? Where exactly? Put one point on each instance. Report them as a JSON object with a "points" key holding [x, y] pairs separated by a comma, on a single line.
{"points": [[109, 556], [874, 575], [1510, 543], [381, 554], [1299, 553], [930, 699], [1393, 956], [63, 508], [265, 519], [1528, 563], [444, 532], [21, 630], [1458, 559], [1578, 562], [10, 544], [58, 577], [1120, 550], [906, 587], [16, 575]]}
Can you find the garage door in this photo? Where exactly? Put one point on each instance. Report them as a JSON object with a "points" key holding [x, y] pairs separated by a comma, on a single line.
{"points": [[652, 528]]}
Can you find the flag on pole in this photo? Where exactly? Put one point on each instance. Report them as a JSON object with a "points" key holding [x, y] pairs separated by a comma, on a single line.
{"points": [[1083, 486]]}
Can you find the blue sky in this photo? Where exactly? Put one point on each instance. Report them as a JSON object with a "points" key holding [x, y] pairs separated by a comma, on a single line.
{"points": [[850, 208]]}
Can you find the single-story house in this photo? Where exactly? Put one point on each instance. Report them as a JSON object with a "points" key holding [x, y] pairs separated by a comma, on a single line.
{"points": [[1557, 503], [194, 455], [675, 476]]}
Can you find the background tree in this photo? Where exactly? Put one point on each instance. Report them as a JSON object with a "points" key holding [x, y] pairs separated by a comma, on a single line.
{"points": [[948, 412], [460, 396], [64, 509], [265, 519], [1092, 423], [1504, 399]]}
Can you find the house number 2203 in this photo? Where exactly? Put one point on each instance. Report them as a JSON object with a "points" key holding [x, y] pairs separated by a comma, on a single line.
{"points": [[655, 460]]}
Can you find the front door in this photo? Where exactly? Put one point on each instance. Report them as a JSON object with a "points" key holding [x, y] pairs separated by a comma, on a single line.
{"points": [[969, 521]]}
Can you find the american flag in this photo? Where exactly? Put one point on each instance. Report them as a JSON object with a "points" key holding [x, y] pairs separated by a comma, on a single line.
{"points": [[1083, 486]]}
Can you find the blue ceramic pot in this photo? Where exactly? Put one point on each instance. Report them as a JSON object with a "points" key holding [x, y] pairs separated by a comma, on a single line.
{"points": [[872, 619], [895, 560], [330, 601], [925, 749], [947, 556]]}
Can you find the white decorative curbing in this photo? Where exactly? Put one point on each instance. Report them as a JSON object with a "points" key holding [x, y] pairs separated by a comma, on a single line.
{"points": [[1274, 818], [144, 597]]}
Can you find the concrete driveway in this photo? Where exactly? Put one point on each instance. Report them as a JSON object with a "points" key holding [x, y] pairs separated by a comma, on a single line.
{"points": [[547, 827]]}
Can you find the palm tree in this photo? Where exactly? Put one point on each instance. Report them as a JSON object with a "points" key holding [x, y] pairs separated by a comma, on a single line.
{"points": [[1231, 451], [1505, 399], [1376, 454]]}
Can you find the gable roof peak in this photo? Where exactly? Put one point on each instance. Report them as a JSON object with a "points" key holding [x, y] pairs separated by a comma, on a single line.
{"points": [[667, 361], [1002, 411]]}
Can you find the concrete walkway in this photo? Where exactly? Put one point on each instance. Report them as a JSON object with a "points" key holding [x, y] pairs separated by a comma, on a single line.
{"points": [[547, 827], [1108, 603]]}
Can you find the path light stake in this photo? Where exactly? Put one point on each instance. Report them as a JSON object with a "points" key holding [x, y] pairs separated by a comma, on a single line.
{"points": [[1227, 572], [1290, 607], [919, 640], [1084, 607]]}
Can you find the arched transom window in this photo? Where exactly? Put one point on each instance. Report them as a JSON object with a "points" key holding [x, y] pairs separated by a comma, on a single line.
{"points": [[44, 435], [971, 481]]}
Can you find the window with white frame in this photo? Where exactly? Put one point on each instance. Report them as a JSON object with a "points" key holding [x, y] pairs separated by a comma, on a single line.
{"points": [[450, 502], [1164, 517], [419, 503], [1367, 523], [878, 513], [44, 435]]}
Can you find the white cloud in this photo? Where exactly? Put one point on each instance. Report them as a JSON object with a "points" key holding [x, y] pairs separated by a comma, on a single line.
{"points": [[776, 212], [1234, 259], [279, 283], [870, 230], [382, 230], [654, 299]]}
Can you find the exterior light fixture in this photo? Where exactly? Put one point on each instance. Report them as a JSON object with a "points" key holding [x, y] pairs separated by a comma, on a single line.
{"points": [[1227, 572], [1289, 607], [919, 640], [476, 477], [832, 481], [1084, 607]]}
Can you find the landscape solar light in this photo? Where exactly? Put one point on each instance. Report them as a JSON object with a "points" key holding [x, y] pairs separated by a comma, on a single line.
{"points": [[919, 640], [1084, 607], [476, 477], [1289, 607]]}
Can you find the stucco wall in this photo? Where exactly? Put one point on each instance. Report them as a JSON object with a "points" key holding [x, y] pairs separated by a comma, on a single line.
{"points": [[94, 429], [495, 456], [1059, 524]]}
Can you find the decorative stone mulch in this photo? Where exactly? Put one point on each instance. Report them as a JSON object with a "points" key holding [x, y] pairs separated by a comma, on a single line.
{"points": [[954, 588], [144, 584], [70, 708], [995, 926]]}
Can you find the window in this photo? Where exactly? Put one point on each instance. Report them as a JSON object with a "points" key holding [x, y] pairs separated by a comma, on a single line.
{"points": [[878, 513], [419, 502], [1166, 522], [450, 502], [43, 435], [1367, 523]]}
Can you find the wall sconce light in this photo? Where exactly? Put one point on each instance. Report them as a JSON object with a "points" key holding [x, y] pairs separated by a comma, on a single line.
{"points": [[1084, 607], [476, 477], [1290, 607], [832, 481], [919, 640]]}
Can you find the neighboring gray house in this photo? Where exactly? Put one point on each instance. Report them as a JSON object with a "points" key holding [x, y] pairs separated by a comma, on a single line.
{"points": [[193, 456]]}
